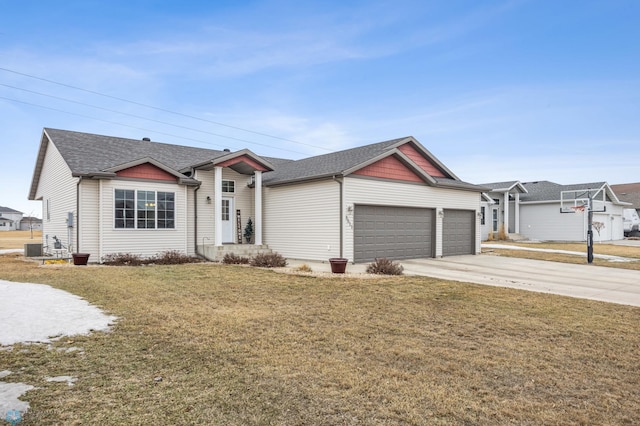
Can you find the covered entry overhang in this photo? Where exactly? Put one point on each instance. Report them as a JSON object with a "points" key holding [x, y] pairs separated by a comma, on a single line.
{"points": [[243, 162]]}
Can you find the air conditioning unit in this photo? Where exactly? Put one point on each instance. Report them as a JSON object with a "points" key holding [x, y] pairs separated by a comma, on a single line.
{"points": [[33, 249]]}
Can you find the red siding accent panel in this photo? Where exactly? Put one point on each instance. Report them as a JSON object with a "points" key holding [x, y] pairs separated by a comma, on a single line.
{"points": [[417, 158], [146, 171], [243, 159], [389, 168]]}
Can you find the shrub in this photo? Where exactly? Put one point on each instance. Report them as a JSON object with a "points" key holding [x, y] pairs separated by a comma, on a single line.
{"points": [[174, 257], [304, 268], [123, 259], [269, 260], [384, 266], [234, 259]]}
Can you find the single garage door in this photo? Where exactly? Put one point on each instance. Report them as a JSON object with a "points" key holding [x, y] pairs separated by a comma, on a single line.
{"points": [[392, 232], [459, 232]]}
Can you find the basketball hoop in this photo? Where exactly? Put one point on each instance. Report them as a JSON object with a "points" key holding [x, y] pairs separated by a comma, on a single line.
{"points": [[578, 208]]}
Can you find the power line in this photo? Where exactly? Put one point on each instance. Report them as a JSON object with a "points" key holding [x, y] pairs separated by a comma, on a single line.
{"points": [[133, 115], [144, 129], [161, 109]]}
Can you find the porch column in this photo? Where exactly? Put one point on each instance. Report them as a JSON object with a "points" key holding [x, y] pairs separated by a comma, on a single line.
{"points": [[517, 213], [505, 217], [258, 208], [217, 205]]}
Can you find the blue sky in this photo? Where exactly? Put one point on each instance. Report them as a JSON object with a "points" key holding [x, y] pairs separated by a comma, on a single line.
{"points": [[497, 90]]}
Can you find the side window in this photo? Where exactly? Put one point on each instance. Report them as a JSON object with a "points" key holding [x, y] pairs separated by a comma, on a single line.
{"points": [[124, 208], [229, 186]]}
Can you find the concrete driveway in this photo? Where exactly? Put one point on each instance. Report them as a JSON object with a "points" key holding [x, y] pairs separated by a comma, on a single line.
{"points": [[582, 281]]}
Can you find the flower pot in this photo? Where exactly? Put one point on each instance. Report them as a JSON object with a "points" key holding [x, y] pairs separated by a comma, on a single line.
{"points": [[80, 258], [338, 264]]}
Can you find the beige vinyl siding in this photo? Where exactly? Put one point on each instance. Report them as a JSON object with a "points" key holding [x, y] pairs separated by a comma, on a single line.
{"points": [[190, 228], [303, 221], [57, 188], [88, 220], [392, 193], [206, 222], [144, 242]]}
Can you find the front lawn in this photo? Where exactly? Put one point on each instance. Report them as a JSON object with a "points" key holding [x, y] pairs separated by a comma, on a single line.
{"points": [[232, 345]]}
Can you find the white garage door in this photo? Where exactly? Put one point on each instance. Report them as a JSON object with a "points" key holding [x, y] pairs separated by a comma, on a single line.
{"points": [[392, 232], [459, 232]]}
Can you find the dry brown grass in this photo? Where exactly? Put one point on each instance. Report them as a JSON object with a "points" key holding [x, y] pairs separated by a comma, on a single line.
{"points": [[17, 239], [238, 345]]}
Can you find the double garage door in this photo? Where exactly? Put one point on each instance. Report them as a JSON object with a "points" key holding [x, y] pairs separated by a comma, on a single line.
{"points": [[408, 232]]}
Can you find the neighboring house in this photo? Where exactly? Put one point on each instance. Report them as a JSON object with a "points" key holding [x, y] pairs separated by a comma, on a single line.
{"points": [[104, 195], [630, 193], [9, 219], [533, 210], [30, 223]]}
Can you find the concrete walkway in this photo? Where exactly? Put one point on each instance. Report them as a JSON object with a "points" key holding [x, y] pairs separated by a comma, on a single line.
{"points": [[582, 281]]}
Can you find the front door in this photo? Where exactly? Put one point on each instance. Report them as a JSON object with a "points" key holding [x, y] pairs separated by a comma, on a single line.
{"points": [[494, 219], [227, 220]]}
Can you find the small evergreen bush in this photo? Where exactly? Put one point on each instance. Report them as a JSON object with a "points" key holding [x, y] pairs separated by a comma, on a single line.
{"points": [[384, 266], [234, 259], [269, 260]]}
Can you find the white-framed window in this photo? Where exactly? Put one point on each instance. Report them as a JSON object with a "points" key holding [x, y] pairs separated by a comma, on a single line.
{"points": [[482, 215], [144, 209], [228, 186]]}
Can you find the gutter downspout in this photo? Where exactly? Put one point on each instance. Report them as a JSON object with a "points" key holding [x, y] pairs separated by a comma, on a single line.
{"points": [[340, 182], [78, 215], [195, 219]]}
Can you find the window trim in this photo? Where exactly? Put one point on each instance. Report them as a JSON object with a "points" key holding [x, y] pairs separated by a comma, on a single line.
{"points": [[233, 185]]}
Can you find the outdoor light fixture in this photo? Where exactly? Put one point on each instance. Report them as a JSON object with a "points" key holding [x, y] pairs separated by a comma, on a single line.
{"points": [[208, 200]]}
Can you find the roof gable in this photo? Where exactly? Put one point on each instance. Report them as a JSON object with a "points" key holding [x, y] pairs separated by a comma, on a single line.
{"points": [[389, 168], [418, 158], [146, 171]]}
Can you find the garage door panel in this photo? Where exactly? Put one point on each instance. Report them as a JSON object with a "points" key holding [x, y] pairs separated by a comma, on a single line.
{"points": [[392, 232], [458, 228]]}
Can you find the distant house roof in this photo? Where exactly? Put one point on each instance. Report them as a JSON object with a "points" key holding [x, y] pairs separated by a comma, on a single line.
{"points": [[97, 156], [8, 210], [545, 190], [506, 186], [629, 192]]}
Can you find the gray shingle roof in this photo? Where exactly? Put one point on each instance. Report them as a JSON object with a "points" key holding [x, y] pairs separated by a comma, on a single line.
{"points": [[500, 185], [550, 191], [628, 192], [328, 164], [8, 210], [87, 153]]}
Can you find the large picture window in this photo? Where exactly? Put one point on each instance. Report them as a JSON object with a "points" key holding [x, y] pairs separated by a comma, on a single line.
{"points": [[144, 209]]}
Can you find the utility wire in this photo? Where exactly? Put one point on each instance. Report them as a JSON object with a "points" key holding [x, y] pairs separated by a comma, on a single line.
{"points": [[143, 128], [134, 115], [162, 109]]}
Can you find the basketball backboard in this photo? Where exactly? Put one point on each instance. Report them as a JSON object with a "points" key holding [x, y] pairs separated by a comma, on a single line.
{"points": [[577, 201]]}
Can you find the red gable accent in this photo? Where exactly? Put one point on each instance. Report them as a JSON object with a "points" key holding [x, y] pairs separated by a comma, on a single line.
{"points": [[389, 168], [419, 159], [243, 159], [146, 171]]}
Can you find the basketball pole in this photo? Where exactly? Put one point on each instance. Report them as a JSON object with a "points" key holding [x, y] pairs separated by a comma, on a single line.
{"points": [[590, 230]]}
